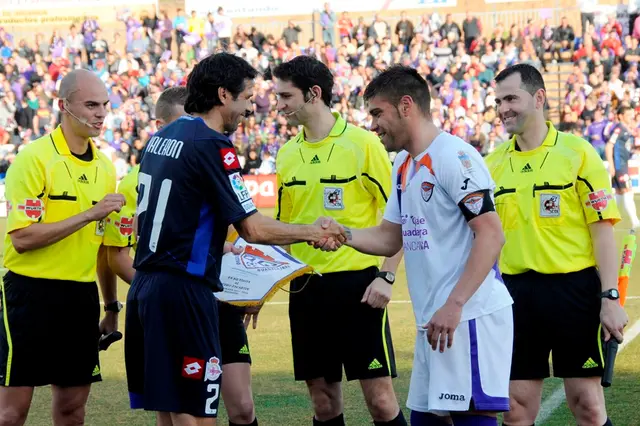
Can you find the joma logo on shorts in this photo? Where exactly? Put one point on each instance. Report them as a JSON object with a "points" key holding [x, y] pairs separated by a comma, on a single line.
{"points": [[452, 397]]}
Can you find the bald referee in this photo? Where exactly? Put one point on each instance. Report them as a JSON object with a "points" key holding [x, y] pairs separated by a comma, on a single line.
{"points": [[340, 319], [559, 262], [59, 190]]}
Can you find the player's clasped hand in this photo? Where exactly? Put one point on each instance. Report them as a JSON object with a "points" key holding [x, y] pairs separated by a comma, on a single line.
{"points": [[443, 325], [332, 235], [110, 203]]}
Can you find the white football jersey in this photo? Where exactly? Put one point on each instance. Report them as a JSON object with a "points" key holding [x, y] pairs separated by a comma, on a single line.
{"points": [[436, 237]]}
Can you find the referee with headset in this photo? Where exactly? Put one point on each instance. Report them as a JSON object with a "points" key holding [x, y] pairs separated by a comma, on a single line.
{"points": [[59, 191], [340, 319], [559, 262]]}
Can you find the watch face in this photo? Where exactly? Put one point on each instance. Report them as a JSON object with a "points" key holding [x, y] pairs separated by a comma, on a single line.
{"points": [[615, 293], [391, 276]]}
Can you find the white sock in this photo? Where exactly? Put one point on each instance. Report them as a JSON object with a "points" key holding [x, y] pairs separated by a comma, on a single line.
{"points": [[630, 208]]}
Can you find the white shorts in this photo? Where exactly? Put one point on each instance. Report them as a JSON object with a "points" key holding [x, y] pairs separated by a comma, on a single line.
{"points": [[476, 367]]}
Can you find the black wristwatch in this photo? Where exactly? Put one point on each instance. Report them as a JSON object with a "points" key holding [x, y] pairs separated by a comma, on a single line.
{"points": [[113, 307], [612, 294], [389, 277]]}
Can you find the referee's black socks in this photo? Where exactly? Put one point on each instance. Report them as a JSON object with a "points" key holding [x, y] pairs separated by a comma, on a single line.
{"points": [[336, 421], [608, 422], [253, 423], [398, 421]]}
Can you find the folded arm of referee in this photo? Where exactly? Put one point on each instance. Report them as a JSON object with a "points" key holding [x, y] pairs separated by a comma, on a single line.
{"points": [[59, 190]]}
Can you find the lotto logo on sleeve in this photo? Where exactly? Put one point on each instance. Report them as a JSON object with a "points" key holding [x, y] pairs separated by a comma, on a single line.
{"points": [[33, 208], [192, 368], [229, 159], [599, 200]]}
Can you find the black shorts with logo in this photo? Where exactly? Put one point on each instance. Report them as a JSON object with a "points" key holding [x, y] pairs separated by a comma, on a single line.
{"points": [[331, 328], [557, 314], [233, 336], [50, 333], [621, 180], [172, 346]]}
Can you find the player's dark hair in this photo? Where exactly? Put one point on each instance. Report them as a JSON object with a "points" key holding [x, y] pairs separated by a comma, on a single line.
{"points": [[531, 78], [168, 100], [398, 81], [215, 71], [304, 72]]}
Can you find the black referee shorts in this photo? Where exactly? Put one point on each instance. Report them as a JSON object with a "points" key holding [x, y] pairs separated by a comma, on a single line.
{"points": [[557, 314], [331, 328], [50, 332], [233, 336]]}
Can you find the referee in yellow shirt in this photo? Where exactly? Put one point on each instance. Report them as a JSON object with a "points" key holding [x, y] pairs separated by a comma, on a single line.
{"points": [[340, 319], [559, 262], [119, 235], [59, 190]]}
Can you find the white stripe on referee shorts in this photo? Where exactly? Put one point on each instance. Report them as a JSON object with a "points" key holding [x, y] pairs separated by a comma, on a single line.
{"points": [[557, 398]]}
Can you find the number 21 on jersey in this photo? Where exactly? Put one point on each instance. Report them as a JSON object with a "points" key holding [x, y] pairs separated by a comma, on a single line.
{"points": [[144, 186]]}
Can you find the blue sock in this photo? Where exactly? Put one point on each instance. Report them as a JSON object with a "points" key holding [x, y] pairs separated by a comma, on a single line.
{"points": [[473, 420], [426, 419], [608, 422]]}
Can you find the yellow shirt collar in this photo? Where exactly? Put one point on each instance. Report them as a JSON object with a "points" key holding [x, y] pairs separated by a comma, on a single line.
{"points": [[549, 140], [60, 143], [338, 128]]}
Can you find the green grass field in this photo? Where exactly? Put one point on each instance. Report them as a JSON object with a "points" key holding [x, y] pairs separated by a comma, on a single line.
{"points": [[280, 401]]}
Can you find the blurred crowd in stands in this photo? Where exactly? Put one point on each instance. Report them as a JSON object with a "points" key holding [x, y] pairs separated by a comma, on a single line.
{"points": [[459, 59]]}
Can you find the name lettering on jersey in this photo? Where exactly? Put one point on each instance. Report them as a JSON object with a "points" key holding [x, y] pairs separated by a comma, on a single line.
{"points": [[229, 159], [549, 205], [333, 198], [165, 147], [241, 191], [599, 200], [426, 190], [414, 227]]}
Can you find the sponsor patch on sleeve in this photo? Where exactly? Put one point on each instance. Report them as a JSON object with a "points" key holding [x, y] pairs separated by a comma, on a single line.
{"points": [[598, 200], [465, 160], [229, 159], [241, 191], [33, 208]]}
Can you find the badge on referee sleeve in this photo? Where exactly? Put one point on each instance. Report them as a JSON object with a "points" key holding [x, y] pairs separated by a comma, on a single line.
{"points": [[594, 189]]}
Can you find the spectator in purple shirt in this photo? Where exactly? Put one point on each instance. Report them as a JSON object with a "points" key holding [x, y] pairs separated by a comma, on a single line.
{"points": [[595, 132]]}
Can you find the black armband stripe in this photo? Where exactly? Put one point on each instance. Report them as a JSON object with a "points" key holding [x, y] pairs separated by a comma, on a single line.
{"points": [[476, 204]]}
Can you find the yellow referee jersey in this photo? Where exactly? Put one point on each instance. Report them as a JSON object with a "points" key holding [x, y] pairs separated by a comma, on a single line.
{"points": [[119, 227], [45, 184], [346, 176], [546, 199]]}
